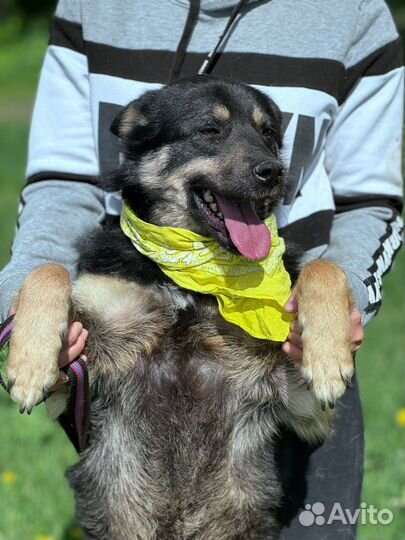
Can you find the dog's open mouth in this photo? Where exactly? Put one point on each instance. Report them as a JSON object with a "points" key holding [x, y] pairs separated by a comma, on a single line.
{"points": [[235, 222]]}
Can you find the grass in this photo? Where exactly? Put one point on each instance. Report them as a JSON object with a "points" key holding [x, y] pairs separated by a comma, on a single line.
{"points": [[381, 372], [36, 503], [35, 498]]}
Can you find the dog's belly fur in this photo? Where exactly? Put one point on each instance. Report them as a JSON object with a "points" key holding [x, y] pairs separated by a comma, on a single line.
{"points": [[185, 411]]}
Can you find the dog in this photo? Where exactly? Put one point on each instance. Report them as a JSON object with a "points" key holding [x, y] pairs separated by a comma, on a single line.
{"points": [[186, 407]]}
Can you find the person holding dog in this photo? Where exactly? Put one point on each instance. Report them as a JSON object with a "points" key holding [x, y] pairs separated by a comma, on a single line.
{"points": [[334, 69]]}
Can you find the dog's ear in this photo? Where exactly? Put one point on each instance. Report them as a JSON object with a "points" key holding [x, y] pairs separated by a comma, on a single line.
{"points": [[127, 119], [136, 120]]}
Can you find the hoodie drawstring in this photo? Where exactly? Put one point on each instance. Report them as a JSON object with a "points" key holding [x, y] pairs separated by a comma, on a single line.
{"points": [[191, 22]]}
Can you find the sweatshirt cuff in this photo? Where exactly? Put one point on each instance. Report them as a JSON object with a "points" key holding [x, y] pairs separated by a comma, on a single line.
{"points": [[360, 296], [10, 284]]}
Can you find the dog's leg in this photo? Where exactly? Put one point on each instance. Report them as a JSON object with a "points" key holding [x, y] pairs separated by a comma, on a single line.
{"points": [[41, 321], [324, 307]]}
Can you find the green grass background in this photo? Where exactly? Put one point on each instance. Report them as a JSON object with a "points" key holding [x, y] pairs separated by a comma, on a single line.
{"points": [[35, 501]]}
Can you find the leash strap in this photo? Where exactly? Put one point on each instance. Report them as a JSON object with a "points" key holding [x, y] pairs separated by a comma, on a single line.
{"points": [[6, 328], [75, 419]]}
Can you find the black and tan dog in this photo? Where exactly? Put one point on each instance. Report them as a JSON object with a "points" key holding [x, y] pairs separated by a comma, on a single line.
{"points": [[186, 407]]}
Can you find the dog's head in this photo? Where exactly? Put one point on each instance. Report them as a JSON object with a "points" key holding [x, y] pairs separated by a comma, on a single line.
{"points": [[203, 154]]}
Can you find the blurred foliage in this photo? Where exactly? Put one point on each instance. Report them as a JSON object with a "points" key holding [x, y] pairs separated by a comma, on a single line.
{"points": [[20, 62], [398, 10], [26, 10]]}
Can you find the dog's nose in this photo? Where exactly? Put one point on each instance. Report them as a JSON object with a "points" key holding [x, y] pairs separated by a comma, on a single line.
{"points": [[267, 170]]}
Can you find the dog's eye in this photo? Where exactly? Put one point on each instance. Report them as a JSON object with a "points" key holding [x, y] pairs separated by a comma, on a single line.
{"points": [[209, 131], [268, 131], [270, 135]]}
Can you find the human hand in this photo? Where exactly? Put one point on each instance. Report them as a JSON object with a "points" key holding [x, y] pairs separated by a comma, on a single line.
{"points": [[293, 345], [73, 345]]}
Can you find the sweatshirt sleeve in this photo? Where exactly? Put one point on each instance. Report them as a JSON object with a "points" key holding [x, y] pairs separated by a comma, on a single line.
{"points": [[363, 158], [61, 200]]}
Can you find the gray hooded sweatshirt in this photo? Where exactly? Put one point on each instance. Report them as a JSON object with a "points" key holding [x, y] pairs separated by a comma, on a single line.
{"points": [[334, 68]]}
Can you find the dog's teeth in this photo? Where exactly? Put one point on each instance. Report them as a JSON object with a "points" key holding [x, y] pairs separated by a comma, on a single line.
{"points": [[220, 215], [214, 207], [208, 196]]}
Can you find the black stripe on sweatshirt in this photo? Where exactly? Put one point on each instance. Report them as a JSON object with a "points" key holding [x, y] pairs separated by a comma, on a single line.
{"points": [[344, 204], [154, 66], [57, 175], [383, 257], [309, 232], [67, 34], [20, 209], [381, 61]]}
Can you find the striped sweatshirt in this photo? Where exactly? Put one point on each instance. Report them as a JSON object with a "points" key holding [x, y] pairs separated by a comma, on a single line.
{"points": [[334, 68]]}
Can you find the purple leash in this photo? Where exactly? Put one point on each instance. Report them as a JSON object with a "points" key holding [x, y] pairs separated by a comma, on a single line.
{"points": [[75, 419]]}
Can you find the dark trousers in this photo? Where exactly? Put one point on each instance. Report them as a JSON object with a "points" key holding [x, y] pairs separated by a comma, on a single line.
{"points": [[329, 474]]}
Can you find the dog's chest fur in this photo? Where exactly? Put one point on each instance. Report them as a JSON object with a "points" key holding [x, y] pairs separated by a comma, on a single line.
{"points": [[184, 408], [178, 338]]}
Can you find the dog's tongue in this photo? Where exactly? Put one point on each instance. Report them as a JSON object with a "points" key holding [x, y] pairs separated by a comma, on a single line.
{"points": [[250, 236]]}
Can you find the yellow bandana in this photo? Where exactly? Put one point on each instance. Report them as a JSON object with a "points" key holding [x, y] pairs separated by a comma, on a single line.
{"points": [[251, 294]]}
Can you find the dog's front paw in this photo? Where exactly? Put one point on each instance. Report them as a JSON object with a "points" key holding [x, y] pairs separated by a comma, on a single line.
{"points": [[327, 369], [324, 307], [31, 374], [40, 322]]}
